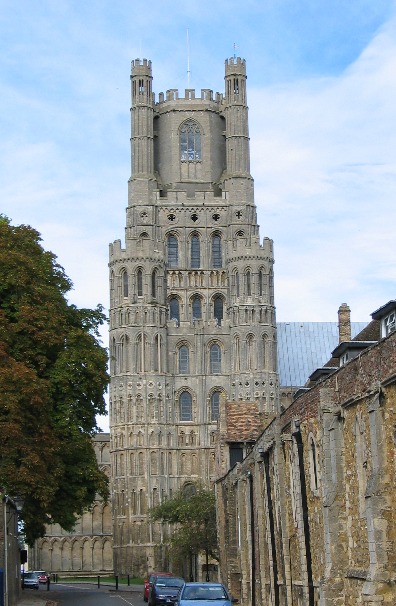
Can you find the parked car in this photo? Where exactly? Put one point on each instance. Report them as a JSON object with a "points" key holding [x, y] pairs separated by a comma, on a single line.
{"points": [[30, 580], [150, 580], [204, 594], [42, 575], [164, 590]]}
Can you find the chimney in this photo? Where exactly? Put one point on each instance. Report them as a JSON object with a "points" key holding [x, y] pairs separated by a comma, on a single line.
{"points": [[344, 323]]}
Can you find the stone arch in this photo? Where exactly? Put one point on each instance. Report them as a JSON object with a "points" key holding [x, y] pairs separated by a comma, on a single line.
{"points": [[97, 555], [76, 554], [62, 555], [87, 554], [97, 512]]}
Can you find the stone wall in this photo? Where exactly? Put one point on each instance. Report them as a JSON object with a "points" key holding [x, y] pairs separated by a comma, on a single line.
{"points": [[307, 518], [89, 547]]}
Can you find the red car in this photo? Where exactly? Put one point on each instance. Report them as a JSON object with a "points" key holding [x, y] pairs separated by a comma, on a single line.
{"points": [[148, 582], [42, 576]]}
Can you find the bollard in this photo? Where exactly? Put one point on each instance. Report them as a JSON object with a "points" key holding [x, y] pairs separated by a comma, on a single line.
{"points": [[117, 582], [48, 582], [128, 580], [98, 581]]}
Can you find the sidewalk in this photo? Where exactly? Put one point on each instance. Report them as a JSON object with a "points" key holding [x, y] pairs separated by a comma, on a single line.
{"points": [[29, 597]]}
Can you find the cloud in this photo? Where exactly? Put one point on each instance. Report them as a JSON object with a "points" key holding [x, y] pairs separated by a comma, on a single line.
{"points": [[324, 162]]}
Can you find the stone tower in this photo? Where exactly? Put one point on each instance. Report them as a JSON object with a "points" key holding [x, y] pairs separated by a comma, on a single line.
{"points": [[192, 317]]}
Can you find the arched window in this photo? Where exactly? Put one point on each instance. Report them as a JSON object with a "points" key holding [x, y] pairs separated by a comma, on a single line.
{"points": [[237, 283], [124, 284], [141, 350], [250, 353], [174, 311], [196, 308], [216, 251], [237, 353], [215, 405], [215, 359], [185, 406], [183, 360], [154, 283], [157, 353], [190, 142], [248, 283], [195, 252], [173, 251], [140, 283], [260, 284], [218, 309]]}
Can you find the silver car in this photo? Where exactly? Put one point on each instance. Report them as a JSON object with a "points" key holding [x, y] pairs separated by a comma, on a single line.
{"points": [[30, 581]]}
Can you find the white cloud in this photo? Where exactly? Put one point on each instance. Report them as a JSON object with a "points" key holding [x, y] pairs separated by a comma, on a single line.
{"points": [[324, 160]]}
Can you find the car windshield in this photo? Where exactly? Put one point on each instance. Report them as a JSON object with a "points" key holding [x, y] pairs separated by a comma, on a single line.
{"points": [[204, 593], [169, 582], [30, 575]]}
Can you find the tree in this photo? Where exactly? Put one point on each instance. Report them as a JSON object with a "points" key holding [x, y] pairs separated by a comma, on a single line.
{"points": [[194, 516], [53, 376]]}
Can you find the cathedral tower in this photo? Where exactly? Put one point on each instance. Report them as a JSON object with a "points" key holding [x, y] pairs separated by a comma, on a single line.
{"points": [[192, 317]]}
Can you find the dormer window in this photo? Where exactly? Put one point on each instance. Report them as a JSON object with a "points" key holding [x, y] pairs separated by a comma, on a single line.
{"points": [[386, 315], [390, 323]]}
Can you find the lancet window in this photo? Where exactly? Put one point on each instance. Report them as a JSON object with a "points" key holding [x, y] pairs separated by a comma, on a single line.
{"points": [[195, 252], [185, 406], [173, 251], [215, 359], [216, 251]]}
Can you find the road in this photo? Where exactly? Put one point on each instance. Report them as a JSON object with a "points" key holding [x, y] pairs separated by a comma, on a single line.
{"points": [[88, 595]]}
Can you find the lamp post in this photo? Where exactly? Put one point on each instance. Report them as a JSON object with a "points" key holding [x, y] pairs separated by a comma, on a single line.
{"points": [[11, 508], [206, 550]]}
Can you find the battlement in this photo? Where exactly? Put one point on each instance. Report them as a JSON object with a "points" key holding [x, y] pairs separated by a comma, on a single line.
{"points": [[235, 65], [140, 67], [189, 95]]}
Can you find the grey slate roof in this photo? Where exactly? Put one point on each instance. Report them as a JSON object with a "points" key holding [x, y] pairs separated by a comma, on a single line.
{"points": [[305, 346]]}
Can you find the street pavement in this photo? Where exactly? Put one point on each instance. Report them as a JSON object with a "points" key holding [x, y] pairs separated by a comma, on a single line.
{"points": [[30, 598]]}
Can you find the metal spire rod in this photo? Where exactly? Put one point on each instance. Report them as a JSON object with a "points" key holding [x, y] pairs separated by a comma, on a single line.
{"points": [[188, 58]]}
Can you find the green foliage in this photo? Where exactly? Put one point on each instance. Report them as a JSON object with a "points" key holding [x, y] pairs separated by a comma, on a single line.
{"points": [[194, 517], [53, 377]]}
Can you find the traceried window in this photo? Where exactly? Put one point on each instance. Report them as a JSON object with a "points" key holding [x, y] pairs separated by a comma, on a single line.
{"points": [[190, 142], [195, 252], [215, 405], [174, 311], [216, 251], [215, 359], [185, 406], [196, 308], [183, 360], [173, 251], [140, 283]]}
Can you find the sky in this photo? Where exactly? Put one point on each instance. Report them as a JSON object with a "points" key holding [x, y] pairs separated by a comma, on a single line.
{"points": [[322, 119]]}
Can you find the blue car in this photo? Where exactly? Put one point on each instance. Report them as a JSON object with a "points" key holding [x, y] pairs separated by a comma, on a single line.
{"points": [[164, 590], [204, 594]]}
